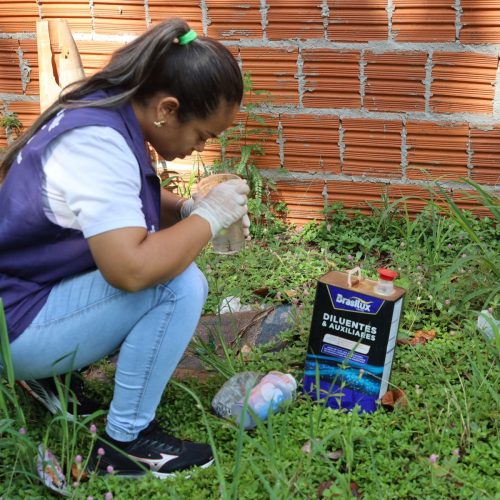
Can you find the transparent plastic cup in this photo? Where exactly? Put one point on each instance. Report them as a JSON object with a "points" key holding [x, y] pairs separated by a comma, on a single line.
{"points": [[231, 240]]}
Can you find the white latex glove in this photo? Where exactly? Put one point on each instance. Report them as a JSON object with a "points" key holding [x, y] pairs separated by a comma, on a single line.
{"points": [[223, 205], [186, 208], [245, 222]]}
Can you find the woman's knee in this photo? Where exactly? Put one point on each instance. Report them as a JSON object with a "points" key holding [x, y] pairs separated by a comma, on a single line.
{"points": [[191, 285], [196, 284]]}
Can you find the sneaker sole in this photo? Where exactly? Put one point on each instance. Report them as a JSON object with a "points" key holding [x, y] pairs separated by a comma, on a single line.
{"points": [[159, 475], [165, 475]]}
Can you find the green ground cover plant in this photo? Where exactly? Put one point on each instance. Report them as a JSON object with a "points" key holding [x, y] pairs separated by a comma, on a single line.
{"points": [[12, 125], [442, 444]]}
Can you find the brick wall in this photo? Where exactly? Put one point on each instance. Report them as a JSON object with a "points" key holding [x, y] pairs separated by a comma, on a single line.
{"points": [[369, 97]]}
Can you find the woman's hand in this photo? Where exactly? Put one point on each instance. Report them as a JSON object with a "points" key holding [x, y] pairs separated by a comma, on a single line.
{"points": [[133, 259], [225, 204]]}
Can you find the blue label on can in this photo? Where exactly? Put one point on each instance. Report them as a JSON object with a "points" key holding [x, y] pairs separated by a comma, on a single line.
{"points": [[339, 352]]}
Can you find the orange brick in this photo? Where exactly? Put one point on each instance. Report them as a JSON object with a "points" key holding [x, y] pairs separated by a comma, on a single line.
{"points": [[463, 82], [417, 198], [27, 112], [394, 81], [10, 72], [189, 10], [7, 137], [485, 146], [95, 54], [372, 147], [257, 134], [18, 16], [11, 80], [76, 12], [211, 154], [261, 132], [413, 199], [198, 160], [117, 16], [294, 19], [436, 151], [3, 132], [272, 70], [357, 20], [305, 201], [332, 79], [233, 21], [30, 56], [467, 200], [480, 21], [311, 143], [424, 21]]}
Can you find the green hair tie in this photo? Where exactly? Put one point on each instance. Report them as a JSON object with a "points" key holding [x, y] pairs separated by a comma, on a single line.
{"points": [[188, 37]]}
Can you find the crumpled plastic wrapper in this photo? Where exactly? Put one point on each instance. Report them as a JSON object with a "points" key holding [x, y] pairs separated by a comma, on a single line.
{"points": [[50, 472], [233, 391]]}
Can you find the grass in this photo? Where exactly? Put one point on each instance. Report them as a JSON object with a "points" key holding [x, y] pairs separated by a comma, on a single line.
{"points": [[443, 444]]}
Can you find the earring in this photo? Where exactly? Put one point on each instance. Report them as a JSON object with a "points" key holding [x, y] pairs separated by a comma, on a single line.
{"points": [[159, 123]]}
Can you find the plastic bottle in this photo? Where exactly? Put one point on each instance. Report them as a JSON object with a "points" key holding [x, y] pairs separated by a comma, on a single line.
{"points": [[385, 284], [267, 396], [487, 324]]}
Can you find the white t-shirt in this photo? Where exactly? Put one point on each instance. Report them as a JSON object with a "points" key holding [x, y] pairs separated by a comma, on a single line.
{"points": [[92, 181]]}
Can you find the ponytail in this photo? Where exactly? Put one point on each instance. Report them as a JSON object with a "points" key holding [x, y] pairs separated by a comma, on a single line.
{"points": [[199, 74]]}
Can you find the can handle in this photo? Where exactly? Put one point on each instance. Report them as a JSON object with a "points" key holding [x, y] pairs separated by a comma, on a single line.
{"points": [[354, 271]]}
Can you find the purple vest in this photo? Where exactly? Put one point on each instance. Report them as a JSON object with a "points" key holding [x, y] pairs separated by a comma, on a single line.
{"points": [[35, 254]]}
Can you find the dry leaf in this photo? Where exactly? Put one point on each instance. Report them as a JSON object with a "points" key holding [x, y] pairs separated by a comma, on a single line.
{"points": [[422, 336], [308, 446], [355, 490], [323, 487], [332, 455], [262, 292], [403, 341], [291, 293], [335, 455], [394, 397], [78, 474], [245, 352]]}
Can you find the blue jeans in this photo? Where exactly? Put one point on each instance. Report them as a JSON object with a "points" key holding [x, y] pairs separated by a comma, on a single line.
{"points": [[85, 319]]}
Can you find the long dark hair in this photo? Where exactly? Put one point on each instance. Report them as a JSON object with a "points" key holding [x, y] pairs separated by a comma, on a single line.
{"points": [[200, 75]]}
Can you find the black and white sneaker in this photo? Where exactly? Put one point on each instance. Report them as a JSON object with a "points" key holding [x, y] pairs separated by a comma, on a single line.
{"points": [[152, 451], [45, 392]]}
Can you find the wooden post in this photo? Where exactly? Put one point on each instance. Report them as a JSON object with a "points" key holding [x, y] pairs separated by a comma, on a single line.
{"points": [[60, 67]]}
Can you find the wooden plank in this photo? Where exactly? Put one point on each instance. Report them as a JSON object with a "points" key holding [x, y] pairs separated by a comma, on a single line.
{"points": [[69, 62], [49, 89], [60, 67]]}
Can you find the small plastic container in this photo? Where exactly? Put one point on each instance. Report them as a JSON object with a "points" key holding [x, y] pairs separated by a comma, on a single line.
{"points": [[230, 240], [267, 396], [385, 284]]}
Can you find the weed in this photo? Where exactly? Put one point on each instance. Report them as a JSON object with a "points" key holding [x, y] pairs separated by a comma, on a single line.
{"points": [[443, 444], [239, 146], [12, 125]]}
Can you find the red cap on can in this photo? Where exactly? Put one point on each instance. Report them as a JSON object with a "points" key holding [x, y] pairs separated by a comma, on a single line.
{"points": [[387, 274]]}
